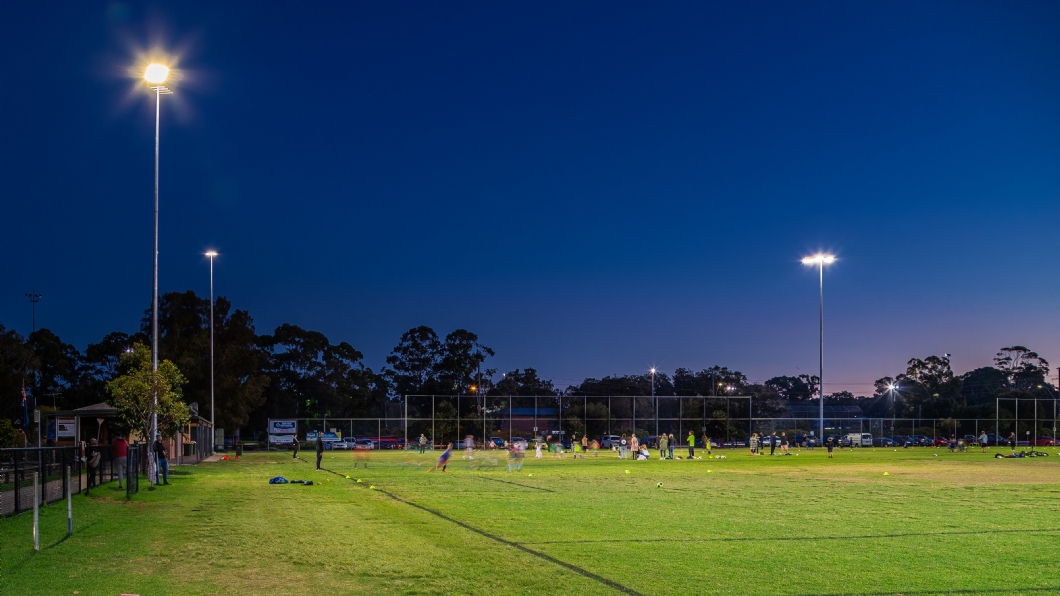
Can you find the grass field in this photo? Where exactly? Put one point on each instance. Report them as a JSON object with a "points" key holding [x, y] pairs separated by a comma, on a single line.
{"points": [[938, 523]]}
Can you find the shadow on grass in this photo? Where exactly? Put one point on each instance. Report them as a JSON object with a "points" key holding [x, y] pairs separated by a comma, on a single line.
{"points": [[810, 538], [547, 490]]}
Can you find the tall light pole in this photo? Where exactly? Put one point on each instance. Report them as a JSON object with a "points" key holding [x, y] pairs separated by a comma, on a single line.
{"points": [[820, 260], [155, 74], [894, 408], [654, 405], [211, 254]]}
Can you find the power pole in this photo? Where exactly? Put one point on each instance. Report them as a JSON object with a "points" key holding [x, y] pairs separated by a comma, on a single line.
{"points": [[34, 298]]}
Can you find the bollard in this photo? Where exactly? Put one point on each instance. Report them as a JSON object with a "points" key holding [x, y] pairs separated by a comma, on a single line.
{"points": [[69, 505], [36, 509]]}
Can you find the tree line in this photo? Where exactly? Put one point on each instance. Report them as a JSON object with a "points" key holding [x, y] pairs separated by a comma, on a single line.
{"points": [[296, 372]]}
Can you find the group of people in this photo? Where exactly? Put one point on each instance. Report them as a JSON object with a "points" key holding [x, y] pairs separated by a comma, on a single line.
{"points": [[757, 444], [92, 456]]}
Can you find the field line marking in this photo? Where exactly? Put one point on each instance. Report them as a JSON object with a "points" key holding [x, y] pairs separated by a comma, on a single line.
{"points": [[547, 490], [570, 567]]}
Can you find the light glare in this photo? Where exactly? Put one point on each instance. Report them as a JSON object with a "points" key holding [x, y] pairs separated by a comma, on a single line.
{"points": [[819, 259], [211, 254], [156, 73]]}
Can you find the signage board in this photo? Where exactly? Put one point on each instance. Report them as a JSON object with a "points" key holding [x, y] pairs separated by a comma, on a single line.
{"points": [[312, 436], [283, 427], [281, 439], [65, 427]]}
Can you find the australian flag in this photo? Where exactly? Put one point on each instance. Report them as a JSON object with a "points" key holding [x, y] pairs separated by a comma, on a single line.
{"points": [[25, 410]]}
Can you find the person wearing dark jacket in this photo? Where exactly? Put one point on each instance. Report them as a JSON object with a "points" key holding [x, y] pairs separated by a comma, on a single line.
{"points": [[772, 443], [320, 447], [295, 456], [159, 449]]}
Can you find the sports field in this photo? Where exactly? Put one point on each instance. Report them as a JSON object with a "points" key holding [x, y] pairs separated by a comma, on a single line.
{"points": [[936, 523]]}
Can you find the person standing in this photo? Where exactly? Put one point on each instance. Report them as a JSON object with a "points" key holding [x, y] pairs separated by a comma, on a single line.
{"points": [[92, 461], [296, 446], [634, 446], [1012, 441], [320, 447], [706, 443], [671, 442], [159, 449], [773, 443], [829, 443], [983, 440], [120, 451], [585, 445], [422, 442], [784, 443], [662, 446], [753, 443], [691, 445], [622, 447]]}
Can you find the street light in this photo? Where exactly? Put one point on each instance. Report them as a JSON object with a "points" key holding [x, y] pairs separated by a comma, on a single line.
{"points": [[211, 254], [653, 404], [155, 74], [820, 260], [892, 387]]}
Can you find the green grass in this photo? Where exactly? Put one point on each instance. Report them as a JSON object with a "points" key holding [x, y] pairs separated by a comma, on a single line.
{"points": [[951, 524]]}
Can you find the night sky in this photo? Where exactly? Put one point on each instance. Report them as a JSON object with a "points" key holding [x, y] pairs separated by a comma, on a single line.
{"points": [[593, 188]]}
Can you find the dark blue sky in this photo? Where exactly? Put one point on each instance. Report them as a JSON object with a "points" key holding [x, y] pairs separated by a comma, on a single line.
{"points": [[593, 188]]}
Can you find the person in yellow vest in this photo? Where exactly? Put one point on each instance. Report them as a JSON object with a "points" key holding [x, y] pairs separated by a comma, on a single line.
{"points": [[691, 445]]}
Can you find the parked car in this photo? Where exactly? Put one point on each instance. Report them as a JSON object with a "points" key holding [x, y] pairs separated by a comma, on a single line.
{"points": [[860, 439], [341, 444], [805, 440], [519, 440], [609, 441], [923, 440], [837, 440], [497, 442], [1044, 441], [364, 444], [904, 440], [884, 442]]}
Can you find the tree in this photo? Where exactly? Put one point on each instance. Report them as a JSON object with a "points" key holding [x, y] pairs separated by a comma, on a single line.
{"points": [[1023, 368], [414, 363], [17, 361], [462, 357], [133, 394], [793, 388], [710, 381], [58, 365], [525, 382], [239, 380], [7, 434]]}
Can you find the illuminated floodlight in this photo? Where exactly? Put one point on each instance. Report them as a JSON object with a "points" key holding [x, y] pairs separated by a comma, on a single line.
{"points": [[211, 253], [819, 259], [156, 74]]}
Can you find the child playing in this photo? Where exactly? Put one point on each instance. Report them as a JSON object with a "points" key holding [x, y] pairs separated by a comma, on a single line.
{"points": [[443, 459]]}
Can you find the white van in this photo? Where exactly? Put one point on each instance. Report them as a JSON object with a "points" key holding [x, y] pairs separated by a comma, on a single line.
{"points": [[860, 439]]}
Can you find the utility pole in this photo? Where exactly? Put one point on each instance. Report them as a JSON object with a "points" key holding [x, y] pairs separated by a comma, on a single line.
{"points": [[34, 298]]}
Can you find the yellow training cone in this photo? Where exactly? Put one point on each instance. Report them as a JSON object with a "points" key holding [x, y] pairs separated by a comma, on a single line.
{"points": [[886, 473]]}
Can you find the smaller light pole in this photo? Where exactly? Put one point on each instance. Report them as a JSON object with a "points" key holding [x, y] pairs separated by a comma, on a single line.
{"points": [[34, 298], [894, 408], [211, 254]]}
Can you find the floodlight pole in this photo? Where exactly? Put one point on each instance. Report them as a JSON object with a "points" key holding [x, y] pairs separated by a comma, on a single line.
{"points": [[152, 465], [211, 254], [820, 378]]}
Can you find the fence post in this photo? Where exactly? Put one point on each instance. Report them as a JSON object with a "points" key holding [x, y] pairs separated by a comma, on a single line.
{"points": [[18, 486], [69, 504], [36, 513]]}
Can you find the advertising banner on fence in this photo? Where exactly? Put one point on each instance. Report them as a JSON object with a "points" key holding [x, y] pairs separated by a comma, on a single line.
{"points": [[312, 436], [283, 427], [281, 439]]}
